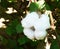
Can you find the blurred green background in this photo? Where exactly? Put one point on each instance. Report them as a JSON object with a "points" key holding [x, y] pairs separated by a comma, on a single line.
{"points": [[11, 33]]}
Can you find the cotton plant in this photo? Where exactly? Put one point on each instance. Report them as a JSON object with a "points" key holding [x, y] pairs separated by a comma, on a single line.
{"points": [[35, 23], [35, 26]]}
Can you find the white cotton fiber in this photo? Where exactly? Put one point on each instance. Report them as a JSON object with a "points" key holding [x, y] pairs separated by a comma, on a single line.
{"points": [[43, 23], [40, 35], [29, 20], [29, 33]]}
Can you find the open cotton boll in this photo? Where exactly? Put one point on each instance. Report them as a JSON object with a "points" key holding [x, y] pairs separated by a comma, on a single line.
{"points": [[43, 23], [29, 20], [1, 24], [39, 25], [2, 19], [29, 33], [40, 35]]}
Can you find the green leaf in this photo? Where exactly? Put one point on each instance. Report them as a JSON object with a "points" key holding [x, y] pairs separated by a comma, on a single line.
{"points": [[33, 43], [10, 30], [33, 7], [55, 45], [47, 6], [4, 41], [19, 28], [4, 3], [14, 23], [22, 40], [58, 5], [11, 43], [18, 47]]}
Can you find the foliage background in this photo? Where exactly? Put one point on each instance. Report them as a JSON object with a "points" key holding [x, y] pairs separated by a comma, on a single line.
{"points": [[12, 37]]}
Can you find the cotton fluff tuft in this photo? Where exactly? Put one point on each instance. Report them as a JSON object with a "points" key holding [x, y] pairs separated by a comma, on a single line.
{"points": [[43, 23], [40, 35], [29, 20], [29, 33]]}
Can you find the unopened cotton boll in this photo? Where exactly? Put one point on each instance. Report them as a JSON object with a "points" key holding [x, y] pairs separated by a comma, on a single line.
{"points": [[29, 33], [40, 35], [29, 20]]}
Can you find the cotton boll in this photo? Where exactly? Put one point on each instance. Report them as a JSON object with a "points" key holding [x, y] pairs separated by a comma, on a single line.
{"points": [[1, 24], [29, 20], [40, 35], [29, 33], [43, 23], [2, 20], [40, 25]]}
